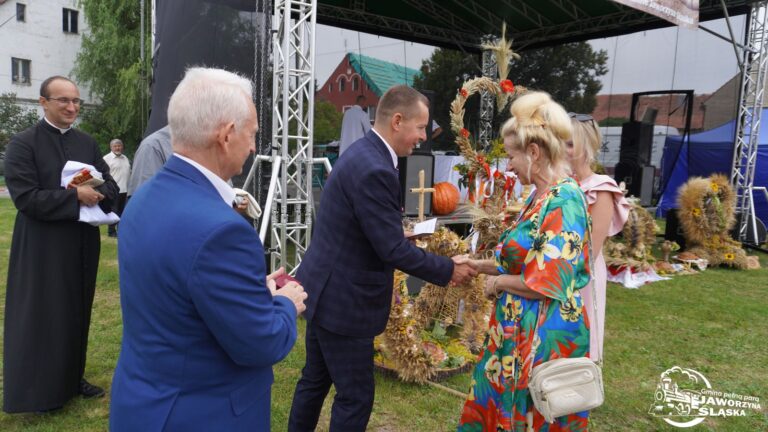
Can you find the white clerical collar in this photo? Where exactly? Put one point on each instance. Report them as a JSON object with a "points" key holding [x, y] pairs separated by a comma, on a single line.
{"points": [[225, 190], [63, 131], [389, 147]]}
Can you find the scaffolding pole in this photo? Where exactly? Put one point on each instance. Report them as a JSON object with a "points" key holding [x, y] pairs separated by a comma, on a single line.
{"points": [[754, 65], [487, 99], [293, 90]]}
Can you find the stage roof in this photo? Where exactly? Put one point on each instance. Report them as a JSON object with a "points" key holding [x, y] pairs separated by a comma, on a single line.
{"points": [[531, 23]]}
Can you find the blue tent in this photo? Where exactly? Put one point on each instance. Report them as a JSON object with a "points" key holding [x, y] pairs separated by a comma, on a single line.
{"points": [[707, 153]]}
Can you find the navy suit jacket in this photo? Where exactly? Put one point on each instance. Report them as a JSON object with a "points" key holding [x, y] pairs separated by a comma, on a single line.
{"points": [[358, 242], [201, 330]]}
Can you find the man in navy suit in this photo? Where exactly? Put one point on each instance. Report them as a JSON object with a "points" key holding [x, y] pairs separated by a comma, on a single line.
{"points": [[348, 271], [202, 325]]}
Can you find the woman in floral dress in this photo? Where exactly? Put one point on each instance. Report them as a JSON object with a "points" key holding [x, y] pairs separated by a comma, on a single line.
{"points": [[541, 264]]}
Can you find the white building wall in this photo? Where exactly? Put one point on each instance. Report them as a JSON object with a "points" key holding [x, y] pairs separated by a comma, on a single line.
{"points": [[40, 39]]}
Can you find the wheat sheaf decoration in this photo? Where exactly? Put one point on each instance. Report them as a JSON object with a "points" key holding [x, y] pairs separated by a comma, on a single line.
{"points": [[707, 209]]}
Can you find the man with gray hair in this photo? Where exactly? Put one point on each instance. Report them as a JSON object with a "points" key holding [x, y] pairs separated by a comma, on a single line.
{"points": [[202, 323], [120, 168]]}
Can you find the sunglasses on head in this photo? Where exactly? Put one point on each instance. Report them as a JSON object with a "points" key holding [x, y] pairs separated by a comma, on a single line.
{"points": [[580, 117]]}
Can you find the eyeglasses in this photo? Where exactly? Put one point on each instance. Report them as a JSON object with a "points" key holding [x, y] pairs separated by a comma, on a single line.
{"points": [[580, 117], [66, 101]]}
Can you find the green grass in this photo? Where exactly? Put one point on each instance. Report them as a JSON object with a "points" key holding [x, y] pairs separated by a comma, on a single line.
{"points": [[713, 322]]}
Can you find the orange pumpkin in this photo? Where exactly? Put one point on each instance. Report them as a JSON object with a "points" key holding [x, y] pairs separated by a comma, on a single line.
{"points": [[445, 198]]}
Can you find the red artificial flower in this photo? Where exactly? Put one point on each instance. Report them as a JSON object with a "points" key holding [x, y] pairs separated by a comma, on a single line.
{"points": [[463, 92], [464, 133], [507, 86]]}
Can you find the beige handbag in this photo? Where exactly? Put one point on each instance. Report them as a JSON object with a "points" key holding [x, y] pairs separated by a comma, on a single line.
{"points": [[568, 385]]}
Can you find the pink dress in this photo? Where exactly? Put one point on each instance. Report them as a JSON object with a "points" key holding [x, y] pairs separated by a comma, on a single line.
{"points": [[591, 186]]}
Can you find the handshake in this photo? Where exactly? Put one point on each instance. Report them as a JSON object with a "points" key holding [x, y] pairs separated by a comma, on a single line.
{"points": [[291, 288], [464, 269]]}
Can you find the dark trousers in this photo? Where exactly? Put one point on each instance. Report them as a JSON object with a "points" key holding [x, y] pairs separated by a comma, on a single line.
{"points": [[347, 363], [119, 206]]}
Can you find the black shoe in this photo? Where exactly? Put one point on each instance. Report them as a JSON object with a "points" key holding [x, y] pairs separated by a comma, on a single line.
{"points": [[112, 234], [90, 391]]}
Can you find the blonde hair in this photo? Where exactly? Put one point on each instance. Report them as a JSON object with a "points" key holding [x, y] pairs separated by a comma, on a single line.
{"points": [[586, 138], [537, 119]]}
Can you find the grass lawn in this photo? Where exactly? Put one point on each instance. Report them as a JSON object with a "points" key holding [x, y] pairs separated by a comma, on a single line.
{"points": [[713, 322]]}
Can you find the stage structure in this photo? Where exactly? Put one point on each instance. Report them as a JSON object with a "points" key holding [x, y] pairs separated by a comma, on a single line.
{"points": [[754, 66], [293, 90], [454, 24], [487, 99]]}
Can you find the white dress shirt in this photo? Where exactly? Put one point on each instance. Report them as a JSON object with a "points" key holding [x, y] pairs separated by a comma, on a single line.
{"points": [[224, 189], [389, 147]]}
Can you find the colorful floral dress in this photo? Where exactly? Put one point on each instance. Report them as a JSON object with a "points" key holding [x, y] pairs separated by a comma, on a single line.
{"points": [[547, 246]]}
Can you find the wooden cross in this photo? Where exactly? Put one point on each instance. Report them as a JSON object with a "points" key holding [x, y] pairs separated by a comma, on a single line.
{"points": [[421, 190]]}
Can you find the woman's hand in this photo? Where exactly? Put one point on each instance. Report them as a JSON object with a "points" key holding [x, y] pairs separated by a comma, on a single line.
{"points": [[491, 287]]}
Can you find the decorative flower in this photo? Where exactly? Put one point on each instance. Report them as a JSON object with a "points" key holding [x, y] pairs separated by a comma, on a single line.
{"points": [[513, 308], [541, 248], [729, 256], [508, 363], [464, 133], [463, 92], [696, 212], [714, 187], [493, 369], [507, 86], [572, 246], [570, 311], [497, 334]]}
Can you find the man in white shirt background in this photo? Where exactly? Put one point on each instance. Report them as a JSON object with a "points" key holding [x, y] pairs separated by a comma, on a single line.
{"points": [[355, 124], [120, 169]]}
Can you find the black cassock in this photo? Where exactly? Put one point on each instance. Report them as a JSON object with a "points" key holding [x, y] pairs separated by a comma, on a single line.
{"points": [[52, 269]]}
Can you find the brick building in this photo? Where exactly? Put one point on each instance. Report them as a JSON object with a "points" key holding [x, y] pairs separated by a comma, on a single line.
{"points": [[671, 112], [362, 75]]}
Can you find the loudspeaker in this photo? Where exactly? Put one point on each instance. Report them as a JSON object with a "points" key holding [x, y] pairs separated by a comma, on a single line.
{"points": [[425, 147], [631, 174], [673, 231], [646, 185], [636, 143], [409, 178]]}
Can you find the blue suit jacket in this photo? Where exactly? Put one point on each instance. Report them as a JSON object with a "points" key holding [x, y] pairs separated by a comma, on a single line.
{"points": [[201, 330], [358, 242]]}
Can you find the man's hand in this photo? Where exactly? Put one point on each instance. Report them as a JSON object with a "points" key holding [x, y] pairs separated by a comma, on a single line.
{"points": [[271, 279], [462, 270], [295, 293], [241, 206], [88, 196]]}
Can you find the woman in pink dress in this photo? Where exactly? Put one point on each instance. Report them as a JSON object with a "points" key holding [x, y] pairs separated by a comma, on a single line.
{"points": [[609, 211]]}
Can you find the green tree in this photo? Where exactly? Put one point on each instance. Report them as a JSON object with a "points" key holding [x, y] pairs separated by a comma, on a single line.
{"points": [[13, 118], [327, 122], [568, 72], [109, 63]]}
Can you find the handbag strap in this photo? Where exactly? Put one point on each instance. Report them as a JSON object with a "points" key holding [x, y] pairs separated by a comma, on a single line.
{"points": [[532, 353]]}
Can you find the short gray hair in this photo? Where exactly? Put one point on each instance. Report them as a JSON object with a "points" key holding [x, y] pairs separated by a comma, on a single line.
{"points": [[203, 101], [116, 141]]}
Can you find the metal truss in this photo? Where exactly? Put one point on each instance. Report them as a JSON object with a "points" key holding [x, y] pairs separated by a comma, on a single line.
{"points": [[356, 19], [293, 90], [527, 25], [754, 65], [487, 99]]}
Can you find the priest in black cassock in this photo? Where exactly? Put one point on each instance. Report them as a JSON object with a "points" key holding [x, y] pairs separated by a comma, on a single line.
{"points": [[54, 258]]}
